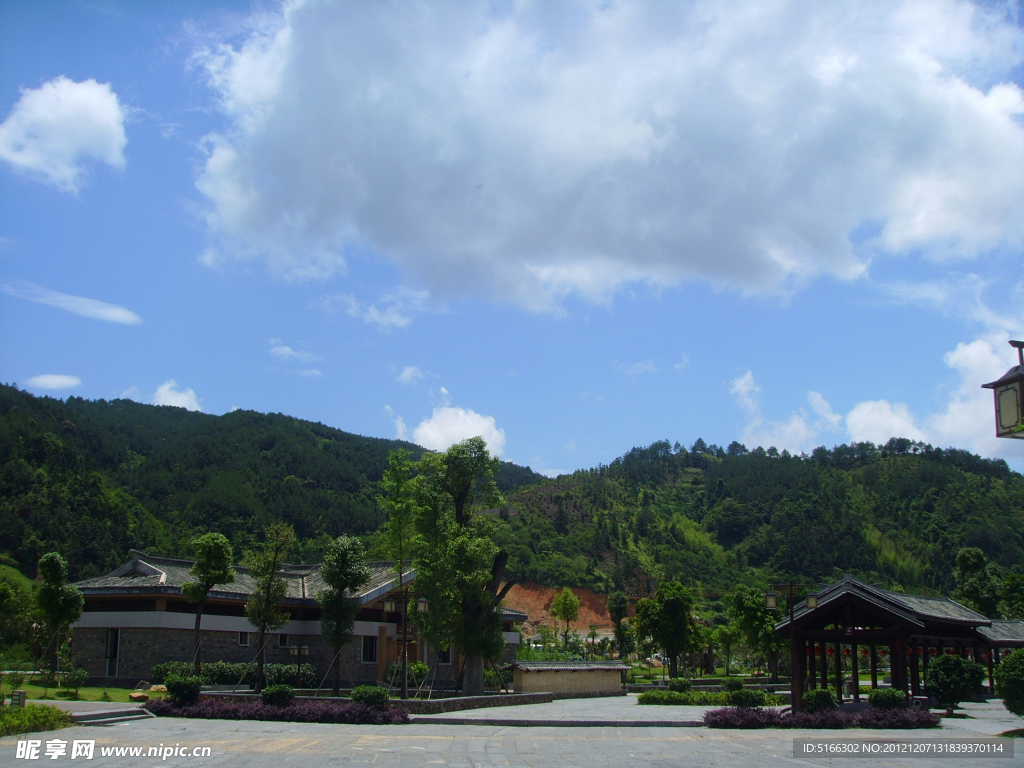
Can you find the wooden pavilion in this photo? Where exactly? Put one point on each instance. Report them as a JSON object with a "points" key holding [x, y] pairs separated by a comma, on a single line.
{"points": [[865, 625]]}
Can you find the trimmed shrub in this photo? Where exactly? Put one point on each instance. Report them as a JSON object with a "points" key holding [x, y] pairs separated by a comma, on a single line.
{"points": [[296, 712], [371, 695], [277, 695], [183, 690], [831, 719], [734, 717], [703, 698], [746, 698], [1010, 682], [820, 700], [15, 680], [887, 698], [679, 685], [229, 673], [75, 679], [732, 684], [32, 717]]}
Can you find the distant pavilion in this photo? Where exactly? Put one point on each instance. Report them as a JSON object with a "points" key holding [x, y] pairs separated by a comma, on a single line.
{"points": [[863, 623]]}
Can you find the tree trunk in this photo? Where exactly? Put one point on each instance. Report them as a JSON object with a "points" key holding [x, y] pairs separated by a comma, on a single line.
{"points": [[336, 691], [197, 651], [260, 659], [673, 666], [473, 676]]}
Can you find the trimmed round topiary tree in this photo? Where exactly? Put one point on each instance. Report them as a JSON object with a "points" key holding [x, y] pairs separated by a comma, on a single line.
{"points": [[1010, 682], [731, 684], [183, 690], [746, 699], [679, 685], [951, 679]]}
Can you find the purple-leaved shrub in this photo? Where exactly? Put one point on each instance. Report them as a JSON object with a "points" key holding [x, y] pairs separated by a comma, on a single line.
{"points": [[731, 717]]}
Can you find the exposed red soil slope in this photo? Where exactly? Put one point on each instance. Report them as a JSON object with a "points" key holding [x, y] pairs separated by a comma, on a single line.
{"points": [[535, 601]]}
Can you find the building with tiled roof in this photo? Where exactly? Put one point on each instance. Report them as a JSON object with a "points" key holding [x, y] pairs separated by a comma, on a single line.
{"points": [[137, 616]]}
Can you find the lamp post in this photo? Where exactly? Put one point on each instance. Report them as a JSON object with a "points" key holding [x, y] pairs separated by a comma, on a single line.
{"points": [[1008, 392]]}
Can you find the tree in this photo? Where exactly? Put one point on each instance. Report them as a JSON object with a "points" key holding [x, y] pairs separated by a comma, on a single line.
{"points": [[951, 679], [59, 602], [399, 503], [1012, 606], [727, 636], [1010, 682], [212, 567], [566, 606], [668, 620], [592, 637], [977, 582], [344, 571], [757, 623], [618, 609], [262, 610], [454, 482]]}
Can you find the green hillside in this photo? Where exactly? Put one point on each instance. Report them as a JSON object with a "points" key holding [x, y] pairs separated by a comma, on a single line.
{"points": [[92, 479]]}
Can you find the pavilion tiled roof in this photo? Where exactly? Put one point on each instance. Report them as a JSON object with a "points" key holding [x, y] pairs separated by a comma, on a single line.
{"points": [[1003, 632]]}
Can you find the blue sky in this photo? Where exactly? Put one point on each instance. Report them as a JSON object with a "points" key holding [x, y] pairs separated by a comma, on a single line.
{"points": [[573, 229]]}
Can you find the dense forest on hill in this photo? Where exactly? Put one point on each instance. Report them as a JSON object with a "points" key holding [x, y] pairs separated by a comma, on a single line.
{"points": [[896, 514], [92, 479]]}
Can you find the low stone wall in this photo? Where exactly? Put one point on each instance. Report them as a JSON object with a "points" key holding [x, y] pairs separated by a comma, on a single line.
{"points": [[418, 706]]}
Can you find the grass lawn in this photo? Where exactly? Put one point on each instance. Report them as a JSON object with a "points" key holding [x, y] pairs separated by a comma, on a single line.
{"points": [[35, 692]]}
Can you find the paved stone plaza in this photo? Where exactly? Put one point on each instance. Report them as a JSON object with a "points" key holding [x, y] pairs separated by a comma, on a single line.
{"points": [[264, 745]]}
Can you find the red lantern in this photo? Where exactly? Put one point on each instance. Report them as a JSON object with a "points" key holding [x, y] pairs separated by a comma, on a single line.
{"points": [[864, 652], [950, 652], [846, 651], [883, 653], [933, 651], [985, 655], [910, 651], [831, 652]]}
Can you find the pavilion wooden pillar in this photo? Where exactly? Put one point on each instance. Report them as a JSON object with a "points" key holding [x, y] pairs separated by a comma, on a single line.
{"points": [[812, 670], [838, 651], [897, 665], [874, 666], [824, 664], [855, 672], [991, 671], [915, 678], [797, 660]]}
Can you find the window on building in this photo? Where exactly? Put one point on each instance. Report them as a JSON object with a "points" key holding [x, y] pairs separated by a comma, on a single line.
{"points": [[369, 649], [113, 640], [445, 656], [282, 641], [243, 639]]}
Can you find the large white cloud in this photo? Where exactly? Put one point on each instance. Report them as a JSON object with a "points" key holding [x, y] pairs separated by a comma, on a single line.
{"points": [[169, 394], [529, 150], [55, 127], [54, 381], [449, 425]]}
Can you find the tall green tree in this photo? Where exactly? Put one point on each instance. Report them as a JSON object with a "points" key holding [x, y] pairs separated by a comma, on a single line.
{"points": [[728, 636], [344, 571], [566, 606], [458, 481], [263, 610], [618, 609], [399, 503], [977, 582], [59, 602], [1012, 606], [668, 620], [212, 566], [757, 623]]}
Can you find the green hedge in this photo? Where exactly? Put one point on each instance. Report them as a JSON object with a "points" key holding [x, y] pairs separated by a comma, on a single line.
{"points": [[33, 717], [277, 695], [228, 673], [183, 690], [371, 695], [707, 699]]}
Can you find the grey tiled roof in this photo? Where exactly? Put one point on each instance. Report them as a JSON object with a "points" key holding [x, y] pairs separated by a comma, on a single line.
{"points": [[1005, 633], [512, 614], [154, 574], [935, 607]]}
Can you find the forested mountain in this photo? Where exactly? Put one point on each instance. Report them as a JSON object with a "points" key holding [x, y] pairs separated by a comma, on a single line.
{"points": [[91, 479], [896, 514]]}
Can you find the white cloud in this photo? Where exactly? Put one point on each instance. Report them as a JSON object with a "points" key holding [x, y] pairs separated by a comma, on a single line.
{"points": [[284, 352], [640, 368], [410, 374], [54, 128], [797, 434], [401, 431], [965, 420], [54, 381], [78, 305], [398, 308], [311, 373], [169, 394], [449, 425], [528, 151]]}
